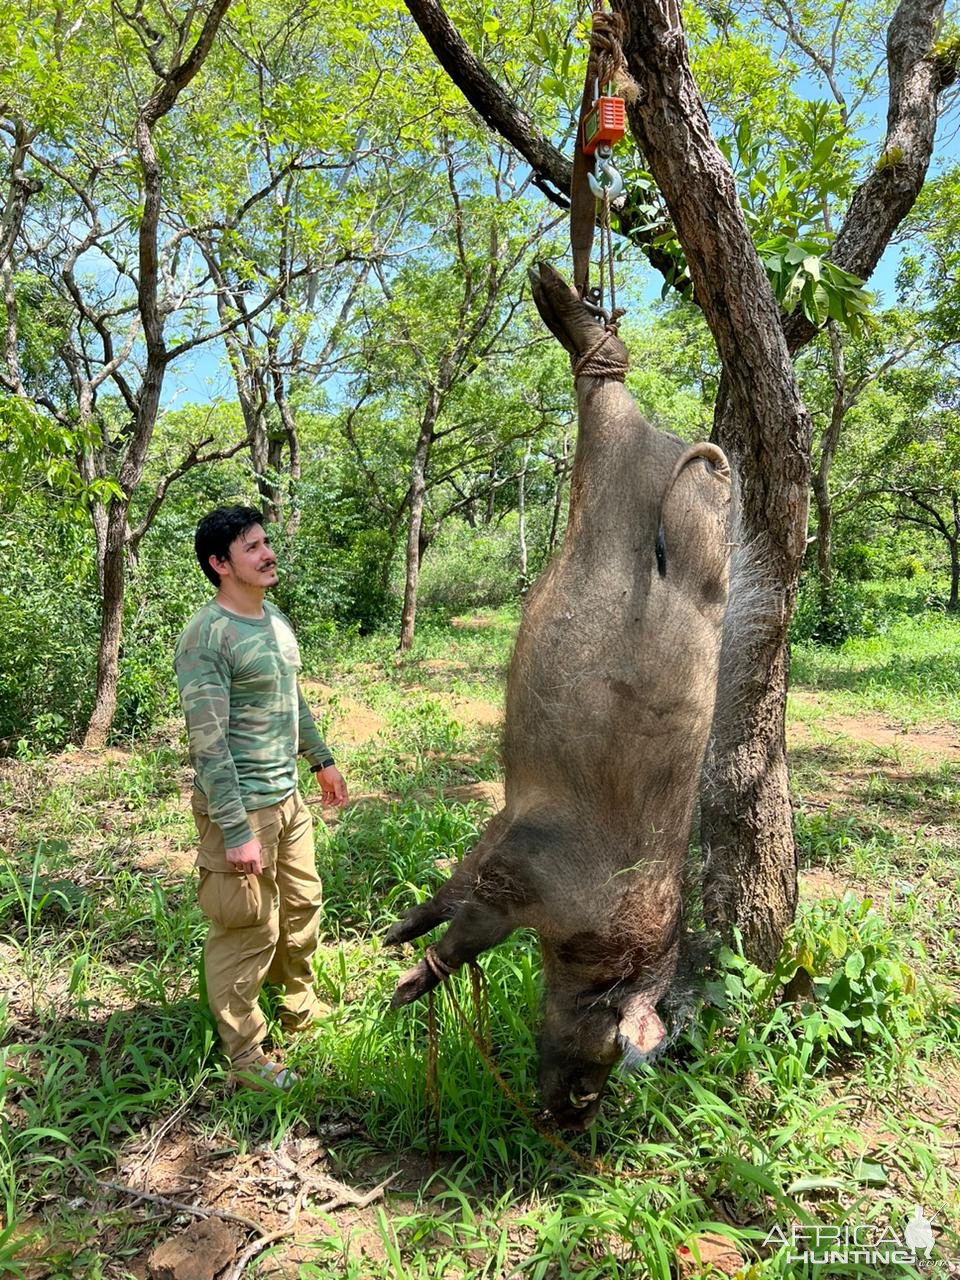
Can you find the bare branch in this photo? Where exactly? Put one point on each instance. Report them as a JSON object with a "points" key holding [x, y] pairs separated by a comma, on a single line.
{"points": [[193, 458]]}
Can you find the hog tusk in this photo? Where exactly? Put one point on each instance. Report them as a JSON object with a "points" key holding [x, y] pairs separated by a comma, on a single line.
{"points": [[582, 1100]]}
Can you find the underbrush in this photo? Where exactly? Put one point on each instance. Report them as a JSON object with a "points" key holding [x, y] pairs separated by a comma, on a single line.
{"points": [[807, 1097], [740, 1127], [908, 673]]}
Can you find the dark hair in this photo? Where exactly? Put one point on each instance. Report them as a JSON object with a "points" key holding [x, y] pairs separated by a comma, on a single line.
{"points": [[216, 533]]}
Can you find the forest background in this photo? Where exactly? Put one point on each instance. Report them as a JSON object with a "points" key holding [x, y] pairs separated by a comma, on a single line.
{"points": [[319, 237]]}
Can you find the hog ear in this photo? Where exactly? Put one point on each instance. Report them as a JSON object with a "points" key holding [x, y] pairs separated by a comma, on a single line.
{"points": [[565, 316], [641, 1032]]}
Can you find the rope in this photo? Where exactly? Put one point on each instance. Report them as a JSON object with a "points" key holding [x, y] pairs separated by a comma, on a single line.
{"points": [[606, 45], [481, 1005], [596, 363], [606, 65], [593, 1165], [432, 1085]]}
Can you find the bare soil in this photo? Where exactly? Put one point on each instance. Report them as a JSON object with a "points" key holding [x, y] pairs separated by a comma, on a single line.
{"points": [[936, 743], [353, 724]]}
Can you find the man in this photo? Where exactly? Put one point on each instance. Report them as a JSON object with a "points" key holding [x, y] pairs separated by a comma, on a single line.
{"points": [[237, 664]]}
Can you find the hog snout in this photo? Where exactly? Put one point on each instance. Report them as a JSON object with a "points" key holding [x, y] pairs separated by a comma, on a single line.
{"points": [[580, 1046]]}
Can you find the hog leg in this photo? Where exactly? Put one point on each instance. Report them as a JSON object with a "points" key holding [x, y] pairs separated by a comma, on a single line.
{"points": [[494, 896], [453, 893], [475, 928]]}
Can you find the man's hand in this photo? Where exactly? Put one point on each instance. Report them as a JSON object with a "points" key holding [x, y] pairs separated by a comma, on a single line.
{"points": [[246, 857], [333, 789]]}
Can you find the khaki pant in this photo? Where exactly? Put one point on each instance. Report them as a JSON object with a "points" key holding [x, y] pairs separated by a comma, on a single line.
{"points": [[262, 928]]}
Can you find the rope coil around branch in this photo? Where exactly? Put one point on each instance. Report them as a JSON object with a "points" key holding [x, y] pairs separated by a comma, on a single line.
{"points": [[606, 47]]}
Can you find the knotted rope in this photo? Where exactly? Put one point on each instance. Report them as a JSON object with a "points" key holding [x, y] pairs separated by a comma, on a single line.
{"points": [[606, 47], [597, 363], [606, 65]]}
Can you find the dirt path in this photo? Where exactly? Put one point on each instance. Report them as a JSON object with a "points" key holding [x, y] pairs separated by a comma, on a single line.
{"points": [[938, 743]]}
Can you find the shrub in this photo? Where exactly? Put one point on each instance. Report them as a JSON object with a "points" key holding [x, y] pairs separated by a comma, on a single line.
{"points": [[849, 613], [854, 987], [49, 634], [469, 568]]}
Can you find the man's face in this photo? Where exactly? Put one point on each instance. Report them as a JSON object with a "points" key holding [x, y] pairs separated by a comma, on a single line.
{"points": [[251, 562]]}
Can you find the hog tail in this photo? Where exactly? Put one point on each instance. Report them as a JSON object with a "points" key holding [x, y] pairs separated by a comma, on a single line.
{"points": [[721, 469]]}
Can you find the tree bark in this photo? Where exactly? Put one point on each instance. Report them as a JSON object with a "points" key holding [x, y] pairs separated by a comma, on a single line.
{"points": [[522, 520], [111, 626], [746, 819], [821, 476], [561, 471], [418, 496], [131, 464]]}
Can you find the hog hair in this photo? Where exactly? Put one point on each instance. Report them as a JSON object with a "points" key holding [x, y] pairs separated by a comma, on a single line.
{"points": [[610, 700]]}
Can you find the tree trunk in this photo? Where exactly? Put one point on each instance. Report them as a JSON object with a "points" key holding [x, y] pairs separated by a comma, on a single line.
{"points": [[821, 477], [824, 505], [746, 822], [152, 316], [522, 521], [954, 542], [561, 469], [111, 625], [418, 495], [293, 513]]}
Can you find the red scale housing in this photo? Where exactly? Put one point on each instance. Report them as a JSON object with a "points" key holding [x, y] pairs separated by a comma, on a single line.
{"points": [[604, 123]]}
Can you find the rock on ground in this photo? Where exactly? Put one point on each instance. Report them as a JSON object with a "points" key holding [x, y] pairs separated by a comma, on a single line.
{"points": [[198, 1253]]}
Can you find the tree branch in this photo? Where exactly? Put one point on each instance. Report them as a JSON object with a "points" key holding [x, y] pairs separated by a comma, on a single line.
{"points": [[194, 458], [917, 77]]}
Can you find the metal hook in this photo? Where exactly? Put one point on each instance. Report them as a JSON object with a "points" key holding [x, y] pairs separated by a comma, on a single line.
{"points": [[593, 301], [606, 180]]}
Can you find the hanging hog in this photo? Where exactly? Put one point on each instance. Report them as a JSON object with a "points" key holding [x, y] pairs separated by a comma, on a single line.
{"points": [[609, 703]]}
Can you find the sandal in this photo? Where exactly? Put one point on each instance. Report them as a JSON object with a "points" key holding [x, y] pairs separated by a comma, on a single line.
{"points": [[263, 1076]]}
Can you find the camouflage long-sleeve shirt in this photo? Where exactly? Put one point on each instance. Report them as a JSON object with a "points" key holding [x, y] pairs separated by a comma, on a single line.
{"points": [[246, 718]]}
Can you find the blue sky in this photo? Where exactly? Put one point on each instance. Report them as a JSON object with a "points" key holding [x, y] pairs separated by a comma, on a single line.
{"points": [[204, 376]]}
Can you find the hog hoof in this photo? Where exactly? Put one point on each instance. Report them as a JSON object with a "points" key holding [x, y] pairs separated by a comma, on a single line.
{"points": [[395, 935], [416, 982], [417, 921]]}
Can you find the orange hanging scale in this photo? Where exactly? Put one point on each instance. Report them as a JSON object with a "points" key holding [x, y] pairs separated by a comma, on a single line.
{"points": [[604, 123], [602, 127]]}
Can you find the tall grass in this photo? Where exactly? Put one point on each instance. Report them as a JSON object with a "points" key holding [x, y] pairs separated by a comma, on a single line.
{"points": [[753, 1118]]}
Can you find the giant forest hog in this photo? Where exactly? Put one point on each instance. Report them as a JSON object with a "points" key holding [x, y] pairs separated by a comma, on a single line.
{"points": [[609, 703]]}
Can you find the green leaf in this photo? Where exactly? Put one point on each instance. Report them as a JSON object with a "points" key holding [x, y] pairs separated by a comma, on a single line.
{"points": [[870, 1173], [854, 965], [815, 1184], [823, 150], [837, 942], [811, 266]]}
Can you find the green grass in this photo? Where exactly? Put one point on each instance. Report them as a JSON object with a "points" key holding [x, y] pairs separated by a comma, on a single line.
{"points": [[758, 1115], [909, 674]]}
